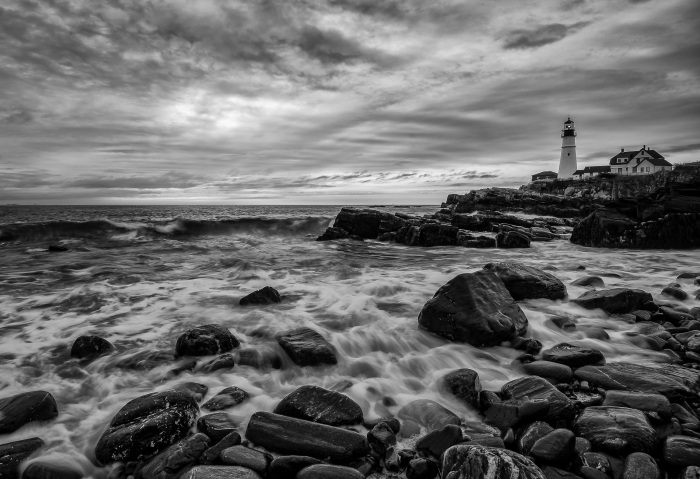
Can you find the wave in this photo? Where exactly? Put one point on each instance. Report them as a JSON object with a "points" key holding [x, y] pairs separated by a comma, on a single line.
{"points": [[181, 227]]}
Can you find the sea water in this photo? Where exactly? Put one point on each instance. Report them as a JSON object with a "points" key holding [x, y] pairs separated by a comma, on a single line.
{"points": [[141, 276]]}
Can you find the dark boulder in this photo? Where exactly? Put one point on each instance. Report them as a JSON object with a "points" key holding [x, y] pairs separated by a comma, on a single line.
{"points": [[54, 248], [639, 465], [254, 357], [512, 239], [217, 425], [603, 228], [463, 384], [332, 233], [57, 466], [147, 425], [169, 463], [428, 414], [287, 467], [13, 453], [549, 370], [436, 442], [245, 457], [681, 451], [316, 404], [616, 430], [226, 398], [211, 455], [513, 412], [573, 356], [366, 223], [561, 409], [465, 461], [220, 472], [381, 438], [555, 448], [306, 347], [642, 401], [18, 410], [196, 390], [328, 471], [616, 301], [89, 347], [223, 361], [675, 292], [421, 468], [530, 434], [206, 340], [592, 281], [475, 308], [267, 295], [527, 282]]}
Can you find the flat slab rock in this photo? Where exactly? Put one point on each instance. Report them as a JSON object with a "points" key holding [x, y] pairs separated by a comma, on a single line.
{"points": [[527, 282], [573, 356], [561, 409], [307, 347], [616, 300], [670, 380], [316, 404], [618, 431], [428, 414], [465, 461]]}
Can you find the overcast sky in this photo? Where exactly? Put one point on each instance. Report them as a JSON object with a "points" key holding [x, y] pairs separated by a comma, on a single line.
{"points": [[332, 101]]}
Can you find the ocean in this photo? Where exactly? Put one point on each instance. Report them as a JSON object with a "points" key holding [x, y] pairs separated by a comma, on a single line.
{"points": [[139, 276]]}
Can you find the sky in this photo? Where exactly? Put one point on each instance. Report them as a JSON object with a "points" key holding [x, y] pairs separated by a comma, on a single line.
{"points": [[332, 101]]}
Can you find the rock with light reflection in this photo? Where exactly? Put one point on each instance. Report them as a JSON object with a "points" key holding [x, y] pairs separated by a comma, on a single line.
{"points": [[465, 461], [316, 404]]}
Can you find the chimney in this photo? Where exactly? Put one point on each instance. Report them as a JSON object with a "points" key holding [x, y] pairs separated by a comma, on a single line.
{"points": [[622, 150], [644, 147]]}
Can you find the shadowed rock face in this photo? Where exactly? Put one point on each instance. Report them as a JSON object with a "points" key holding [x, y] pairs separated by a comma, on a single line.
{"points": [[616, 300], [561, 409], [206, 340], [465, 461], [527, 282], [18, 410], [320, 405], [306, 347], [475, 308]]}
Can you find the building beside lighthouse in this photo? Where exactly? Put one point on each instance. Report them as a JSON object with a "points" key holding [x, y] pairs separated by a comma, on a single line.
{"points": [[567, 160]]}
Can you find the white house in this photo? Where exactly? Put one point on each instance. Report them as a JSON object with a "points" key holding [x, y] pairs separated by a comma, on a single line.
{"points": [[638, 162], [590, 172]]}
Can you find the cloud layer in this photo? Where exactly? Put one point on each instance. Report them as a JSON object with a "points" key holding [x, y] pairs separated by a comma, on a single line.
{"points": [[335, 101]]}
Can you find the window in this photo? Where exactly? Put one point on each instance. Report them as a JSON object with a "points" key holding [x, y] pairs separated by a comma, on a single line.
{"points": [[568, 154], [634, 169]]}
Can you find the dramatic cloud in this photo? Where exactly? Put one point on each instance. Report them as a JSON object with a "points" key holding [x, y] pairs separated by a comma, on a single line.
{"points": [[358, 101]]}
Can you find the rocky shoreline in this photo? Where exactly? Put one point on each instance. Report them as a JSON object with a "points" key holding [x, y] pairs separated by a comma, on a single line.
{"points": [[572, 413]]}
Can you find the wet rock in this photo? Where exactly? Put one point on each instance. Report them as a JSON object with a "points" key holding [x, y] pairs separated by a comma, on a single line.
{"points": [[463, 384], [90, 347], [642, 401], [475, 308], [640, 466], [20, 409], [54, 248], [288, 435], [669, 380], [392, 422], [595, 465], [13, 453], [409, 429], [555, 448], [421, 468], [616, 301], [428, 414], [573, 356], [211, 455], [555, 473], [616, 430], [513, 412], [367, 223], [436, 442], [267, 295], [675, 317], [223, 361], [144, 360], [681, 451], [332, 233], [287, 467], [196, 390], [592, 281], [530, 435], [529, 345], [563, 323], [470, 461], [57, 467], [328, 471], [527, 282], [380, 438], [316, 404], [549, 370], [306, 347], [512, 239], [245, 457], [675, 292], [206, 340], [259, 359], [226, 398], [220, 472], [217, 425], [561, 410], [146, 425], [690, 472], [169, 463]]}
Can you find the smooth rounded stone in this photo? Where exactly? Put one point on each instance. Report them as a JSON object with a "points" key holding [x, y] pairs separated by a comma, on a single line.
{"points": [[530, 435], [690, 472], [573, 356], [583, 445], [549, 370], [681, 451], [594, 465], [512, 239], [294, 436], [595, 332], [90, 347], [527, 282], [217, 425], [50, 469], [675, 317], [226, 398], [196, 390], [648, 327], [487, 442], [306, 347], [259, 359], [670, 380], [428, 414], [13, 453], [675, 292], [220, 472], [687, 275], [693, 344], [409, 429], [392, 460], [616, 430], [465, 461], [328, 471], [380, 438], [392, 422], [475, 308], [168, 463], [22, 408], [561, 409], [436, 442], [223, 361], [555, 473], [206, 340], [316, 404], [245, 457], [556, 447], [592, 281], [513, 412], [562, 322], [266, 295], [682, 414], [641, 315], [616, 300], [211, 455], [529, 345], [287, 467], [421, 468], [647, 402], [146, 425], [640, 466], [464, 384], [628, 318]]}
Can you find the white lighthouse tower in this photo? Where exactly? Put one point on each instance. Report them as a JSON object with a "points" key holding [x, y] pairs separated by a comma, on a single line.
{"points": [[567, 162]]}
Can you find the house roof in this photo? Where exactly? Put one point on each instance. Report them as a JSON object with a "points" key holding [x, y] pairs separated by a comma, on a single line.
{"points": [[596, 169], [658, 161], [578, 172], [628, 155], [545, 173]]}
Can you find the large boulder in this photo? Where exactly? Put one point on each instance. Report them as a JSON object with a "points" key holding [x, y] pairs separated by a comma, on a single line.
{"points": [[266, 295], [527, 282], [228, 397], [512, 239], [603, 228], [18, 410], [428, 414], [681, 451], [561, 409], [475, 308], [174, 459], [316, 404], [367, 223], [463, 384], [147, 425], [206, 340], [307, 347], [13, 453], [617, 300], [616, 430], [573, 356], [89, 347], [465, 461]]}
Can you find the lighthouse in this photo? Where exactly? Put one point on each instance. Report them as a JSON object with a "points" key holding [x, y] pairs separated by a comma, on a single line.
{"points": [[567, 162]]}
